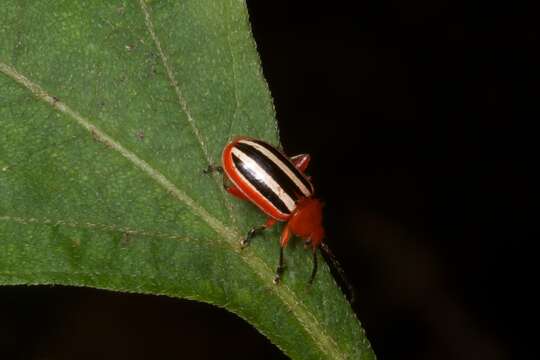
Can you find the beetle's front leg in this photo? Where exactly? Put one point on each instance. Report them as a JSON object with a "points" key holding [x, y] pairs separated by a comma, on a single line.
{"points": [[213, 168]]}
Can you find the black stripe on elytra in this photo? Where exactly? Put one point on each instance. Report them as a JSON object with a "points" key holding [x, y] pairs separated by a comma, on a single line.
{"points": [[284, 180], [259, 185], [288, 162]]}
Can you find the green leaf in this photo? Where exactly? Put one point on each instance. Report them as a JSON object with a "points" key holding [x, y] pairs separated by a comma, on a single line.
{"points": [[109, 112]]}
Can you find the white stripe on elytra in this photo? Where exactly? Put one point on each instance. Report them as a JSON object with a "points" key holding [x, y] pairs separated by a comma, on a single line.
{"points": [[280, 164], [265, 178]]}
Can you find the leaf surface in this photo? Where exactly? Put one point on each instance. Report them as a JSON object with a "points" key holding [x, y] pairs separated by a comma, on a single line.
{"points": [[109, 113]]}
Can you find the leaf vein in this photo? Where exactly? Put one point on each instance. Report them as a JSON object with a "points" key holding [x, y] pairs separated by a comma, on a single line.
{"points": [[233, 69], [170, 75], [181, 98], [87, 225]]}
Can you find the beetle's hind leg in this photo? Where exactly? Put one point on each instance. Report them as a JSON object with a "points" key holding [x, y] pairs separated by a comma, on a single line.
{"points": [[280, 268], [315, 267]]}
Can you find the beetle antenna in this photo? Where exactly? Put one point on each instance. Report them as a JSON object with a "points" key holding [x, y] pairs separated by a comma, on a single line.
{"points": [[329, 255]]}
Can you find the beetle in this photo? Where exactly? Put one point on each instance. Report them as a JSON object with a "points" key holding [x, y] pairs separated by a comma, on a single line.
{"points": [[278, 186]]}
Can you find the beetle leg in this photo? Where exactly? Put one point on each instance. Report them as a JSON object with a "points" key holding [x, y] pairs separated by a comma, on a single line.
{"points": [[231, 189], [257, 230], [251, 233], [280, 268], [285, 235], [301, 161], [213, 168], [314, 270], [234, 191]]}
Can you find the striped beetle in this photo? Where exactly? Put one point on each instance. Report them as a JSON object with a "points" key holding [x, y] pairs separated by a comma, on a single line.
{"points": [[277, 184]]}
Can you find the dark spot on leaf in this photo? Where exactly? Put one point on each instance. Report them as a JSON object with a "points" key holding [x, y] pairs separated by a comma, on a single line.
{"points": [[126, 240]]}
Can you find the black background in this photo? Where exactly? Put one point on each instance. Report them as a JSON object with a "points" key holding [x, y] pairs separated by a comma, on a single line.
{"points": [[416, 115]]}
